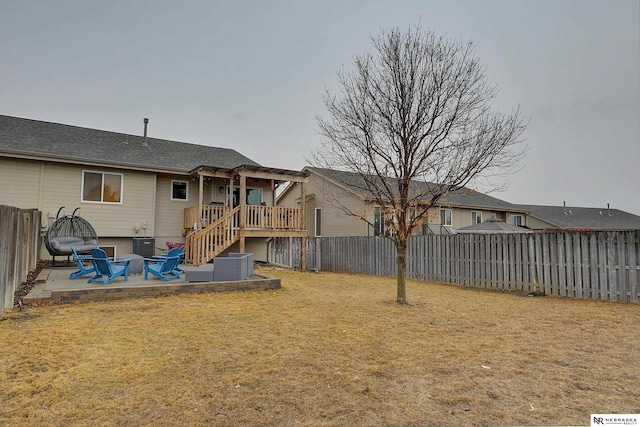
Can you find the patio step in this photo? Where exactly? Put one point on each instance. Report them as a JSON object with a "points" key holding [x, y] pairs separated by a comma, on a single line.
{"points": [[38, 293]]}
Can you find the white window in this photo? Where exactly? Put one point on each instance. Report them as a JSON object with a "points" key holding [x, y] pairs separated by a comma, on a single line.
{"points": [[445, 216], [411, 213], [318, 222], [179, 190], [476, 217], [516, 220], [380, 222], [102, 187]]}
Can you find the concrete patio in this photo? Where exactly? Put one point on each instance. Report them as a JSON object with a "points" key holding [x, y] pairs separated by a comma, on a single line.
{"points": [[54, 285]]}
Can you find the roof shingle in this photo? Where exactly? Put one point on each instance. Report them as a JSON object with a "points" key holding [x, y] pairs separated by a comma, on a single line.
{"points": [[29, 137], [597, 219], [464, 197]]}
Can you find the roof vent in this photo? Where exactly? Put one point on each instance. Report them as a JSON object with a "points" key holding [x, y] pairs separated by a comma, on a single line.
{"points": [[608, 210], [144, 139]]}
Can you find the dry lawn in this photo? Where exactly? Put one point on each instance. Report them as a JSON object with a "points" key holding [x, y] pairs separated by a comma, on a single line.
{"points": [[327, 349]]}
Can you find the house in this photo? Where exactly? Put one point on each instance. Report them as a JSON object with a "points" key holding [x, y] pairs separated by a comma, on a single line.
{"points": [[132, 186], [564, 218], [329, 193]]}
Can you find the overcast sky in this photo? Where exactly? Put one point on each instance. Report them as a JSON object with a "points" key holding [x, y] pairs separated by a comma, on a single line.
{"points": [[250, 75]]}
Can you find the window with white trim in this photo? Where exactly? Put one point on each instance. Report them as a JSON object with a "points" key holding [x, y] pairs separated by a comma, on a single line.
{"points": [[380, 222], [179, 190], [445, 216], [318, 222], [476, 217], [411, 213], [102, 187], [516, 220]]}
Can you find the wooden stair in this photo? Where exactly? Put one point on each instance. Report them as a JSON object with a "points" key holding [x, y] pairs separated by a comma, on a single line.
{"points": [[205, 244]]}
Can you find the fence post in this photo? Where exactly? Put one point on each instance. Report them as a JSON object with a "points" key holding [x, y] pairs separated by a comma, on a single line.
{"points": [[633, 244], [318, 255]]}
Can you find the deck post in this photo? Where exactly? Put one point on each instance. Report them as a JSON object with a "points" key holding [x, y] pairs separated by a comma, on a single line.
{"points": [[243, 202], [302, 225], [243, 210], [200, 198]]}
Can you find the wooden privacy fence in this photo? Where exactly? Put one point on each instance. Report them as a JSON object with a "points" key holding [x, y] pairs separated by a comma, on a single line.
{"points": [[594, 265], [285, 251], [19, 249]]}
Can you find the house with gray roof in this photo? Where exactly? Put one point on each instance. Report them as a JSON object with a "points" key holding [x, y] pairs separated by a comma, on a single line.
{"points": [[135, 186], [571, 218], [336, 202]]}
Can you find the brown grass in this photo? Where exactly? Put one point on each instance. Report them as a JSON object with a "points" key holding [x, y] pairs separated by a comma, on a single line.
{"points": [[327, 349]]}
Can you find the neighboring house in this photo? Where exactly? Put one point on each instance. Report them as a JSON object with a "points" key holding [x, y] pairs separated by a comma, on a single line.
{"points": [[551, 218], [331, 192], [130, 186]]}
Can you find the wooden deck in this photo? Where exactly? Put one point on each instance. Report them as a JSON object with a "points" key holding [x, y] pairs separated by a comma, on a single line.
{"points": [[211, 229], [220, 227]]}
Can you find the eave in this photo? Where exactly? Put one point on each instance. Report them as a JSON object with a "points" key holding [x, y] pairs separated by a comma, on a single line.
{"points": [[90, 162], [251, 171]]}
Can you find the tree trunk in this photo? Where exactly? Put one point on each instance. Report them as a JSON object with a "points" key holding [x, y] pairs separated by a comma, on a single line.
{"points": [[401, 261]]}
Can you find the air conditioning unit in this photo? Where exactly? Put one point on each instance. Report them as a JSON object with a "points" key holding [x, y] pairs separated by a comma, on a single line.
{"points": [[144, 246]]}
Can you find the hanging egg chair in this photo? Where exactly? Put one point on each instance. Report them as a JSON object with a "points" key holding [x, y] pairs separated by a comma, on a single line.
{"points": [[67, 231]]}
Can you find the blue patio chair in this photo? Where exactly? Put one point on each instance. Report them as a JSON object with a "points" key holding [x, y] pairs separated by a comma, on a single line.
{"points": [[162, 267], [80, 260], [106, 269], [179, 251]]}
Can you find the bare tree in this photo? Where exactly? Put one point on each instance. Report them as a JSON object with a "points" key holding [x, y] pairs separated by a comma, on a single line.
{"points": [[416, 109]]}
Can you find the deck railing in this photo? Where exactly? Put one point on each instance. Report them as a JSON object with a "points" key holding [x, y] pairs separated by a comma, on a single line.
{"points": [[221, 227], [273, 218], [262, 217], [205, 244], [210, 214]]}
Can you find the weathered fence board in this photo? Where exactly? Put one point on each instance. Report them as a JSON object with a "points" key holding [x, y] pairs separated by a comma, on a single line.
{"points": [[594, 265], [632, 256], [19, 246]]}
